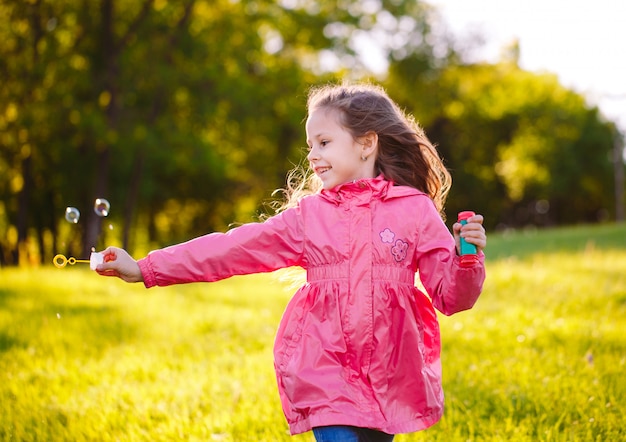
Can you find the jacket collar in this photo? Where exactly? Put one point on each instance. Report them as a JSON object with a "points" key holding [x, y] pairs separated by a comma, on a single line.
{"points": [[367, 188]]}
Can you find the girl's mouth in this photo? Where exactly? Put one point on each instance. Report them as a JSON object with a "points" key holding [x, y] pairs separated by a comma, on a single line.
{"points": [[322, 170]]}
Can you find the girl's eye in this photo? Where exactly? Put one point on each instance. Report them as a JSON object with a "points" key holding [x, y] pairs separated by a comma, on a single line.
{"points": [[323, 143]]}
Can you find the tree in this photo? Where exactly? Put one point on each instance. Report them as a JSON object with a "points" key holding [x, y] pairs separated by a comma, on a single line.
{"points": [[522, 148], [183, 114], [187, 115]]}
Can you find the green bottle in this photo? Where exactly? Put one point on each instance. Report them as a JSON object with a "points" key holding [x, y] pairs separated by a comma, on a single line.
{"points": [[469, 253]]}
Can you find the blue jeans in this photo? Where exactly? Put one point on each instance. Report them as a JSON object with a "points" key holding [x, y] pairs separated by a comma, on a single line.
{"points": [[345, 433]]}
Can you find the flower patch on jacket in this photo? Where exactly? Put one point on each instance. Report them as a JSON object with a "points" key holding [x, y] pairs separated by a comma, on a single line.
{"points": [[399, 250], [387, 236], [399, 247]]}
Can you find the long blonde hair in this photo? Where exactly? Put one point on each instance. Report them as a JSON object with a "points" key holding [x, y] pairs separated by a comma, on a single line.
{"points": [[405, 155]]}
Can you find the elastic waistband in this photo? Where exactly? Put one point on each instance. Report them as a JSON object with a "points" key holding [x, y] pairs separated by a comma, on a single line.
{"points": [[342, 271]]}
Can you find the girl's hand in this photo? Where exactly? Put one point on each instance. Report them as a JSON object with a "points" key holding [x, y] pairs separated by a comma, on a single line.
{"points": [[117, 262], [473, 232]]}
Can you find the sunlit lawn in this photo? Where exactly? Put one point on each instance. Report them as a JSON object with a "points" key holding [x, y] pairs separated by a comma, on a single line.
{"points": [[542, 356]]}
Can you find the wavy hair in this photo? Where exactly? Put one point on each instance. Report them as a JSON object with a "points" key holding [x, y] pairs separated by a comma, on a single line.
{"points": [[405, 155]]}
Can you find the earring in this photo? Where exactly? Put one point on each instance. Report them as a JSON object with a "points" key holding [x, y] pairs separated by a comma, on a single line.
{"points": [[363, 158]]}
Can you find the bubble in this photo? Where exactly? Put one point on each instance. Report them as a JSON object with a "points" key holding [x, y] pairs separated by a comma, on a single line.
{"points": [[101, 207], [72, 215], [542, 207]]}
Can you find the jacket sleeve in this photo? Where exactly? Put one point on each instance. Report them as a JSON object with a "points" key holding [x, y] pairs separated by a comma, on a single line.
{"points": [[250, 248], [452, 288]]}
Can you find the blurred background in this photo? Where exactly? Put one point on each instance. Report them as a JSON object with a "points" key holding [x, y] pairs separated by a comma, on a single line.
{"points": [[186, 115]]}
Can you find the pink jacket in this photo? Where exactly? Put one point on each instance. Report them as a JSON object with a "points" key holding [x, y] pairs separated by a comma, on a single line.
{"points": [[358, 343]]}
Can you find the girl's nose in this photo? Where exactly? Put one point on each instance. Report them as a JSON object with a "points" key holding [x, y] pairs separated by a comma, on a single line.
{"points": [[312, 155]]}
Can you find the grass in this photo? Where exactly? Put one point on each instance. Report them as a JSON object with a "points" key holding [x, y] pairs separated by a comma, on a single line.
{"points": [[541, 357]]}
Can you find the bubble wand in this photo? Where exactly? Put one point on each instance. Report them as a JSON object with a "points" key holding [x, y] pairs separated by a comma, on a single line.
{"points": [[61, 261]]}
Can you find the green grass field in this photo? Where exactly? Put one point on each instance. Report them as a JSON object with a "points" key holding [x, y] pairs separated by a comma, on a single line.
{"points": [[541, 357]]}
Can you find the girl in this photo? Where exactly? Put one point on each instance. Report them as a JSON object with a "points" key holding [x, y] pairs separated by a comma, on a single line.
{"points": [[357, 351]]}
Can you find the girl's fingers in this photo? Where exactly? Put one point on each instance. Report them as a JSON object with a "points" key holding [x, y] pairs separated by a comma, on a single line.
{"points": [[474, 232]]}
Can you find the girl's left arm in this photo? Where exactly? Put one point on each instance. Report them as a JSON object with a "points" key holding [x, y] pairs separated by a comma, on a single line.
{"points": [[452, 288]]}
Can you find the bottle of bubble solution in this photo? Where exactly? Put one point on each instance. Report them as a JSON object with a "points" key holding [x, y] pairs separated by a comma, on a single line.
{"points": [[469, 253]]}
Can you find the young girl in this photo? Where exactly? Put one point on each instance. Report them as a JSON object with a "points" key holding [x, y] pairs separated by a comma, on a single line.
{"points": [[357, 351]]}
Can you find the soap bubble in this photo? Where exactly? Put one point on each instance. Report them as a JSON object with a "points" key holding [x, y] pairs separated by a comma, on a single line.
{"points": [[101, 207], [72, 215]]}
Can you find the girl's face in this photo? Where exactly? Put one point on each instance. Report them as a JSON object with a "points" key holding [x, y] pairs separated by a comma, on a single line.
{"points": [[334, 155]]}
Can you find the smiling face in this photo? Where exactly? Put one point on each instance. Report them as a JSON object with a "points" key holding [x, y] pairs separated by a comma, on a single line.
{"points": [[334, 155]]}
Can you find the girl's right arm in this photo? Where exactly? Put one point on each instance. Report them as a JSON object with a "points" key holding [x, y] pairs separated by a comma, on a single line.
{"points": [[250, 248]]}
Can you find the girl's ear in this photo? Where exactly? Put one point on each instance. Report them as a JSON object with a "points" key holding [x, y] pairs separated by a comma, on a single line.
{"points": [[369, 141]]}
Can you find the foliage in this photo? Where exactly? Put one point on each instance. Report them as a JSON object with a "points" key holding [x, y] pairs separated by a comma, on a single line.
{"points": [[187, 115], [539, 358], [135, 101], [522, 149]]}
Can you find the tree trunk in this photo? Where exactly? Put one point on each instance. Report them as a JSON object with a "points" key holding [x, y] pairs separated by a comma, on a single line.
{"points": [[108, 55], [133, 196], [22, 212], [24, 196], [618, 164]]}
